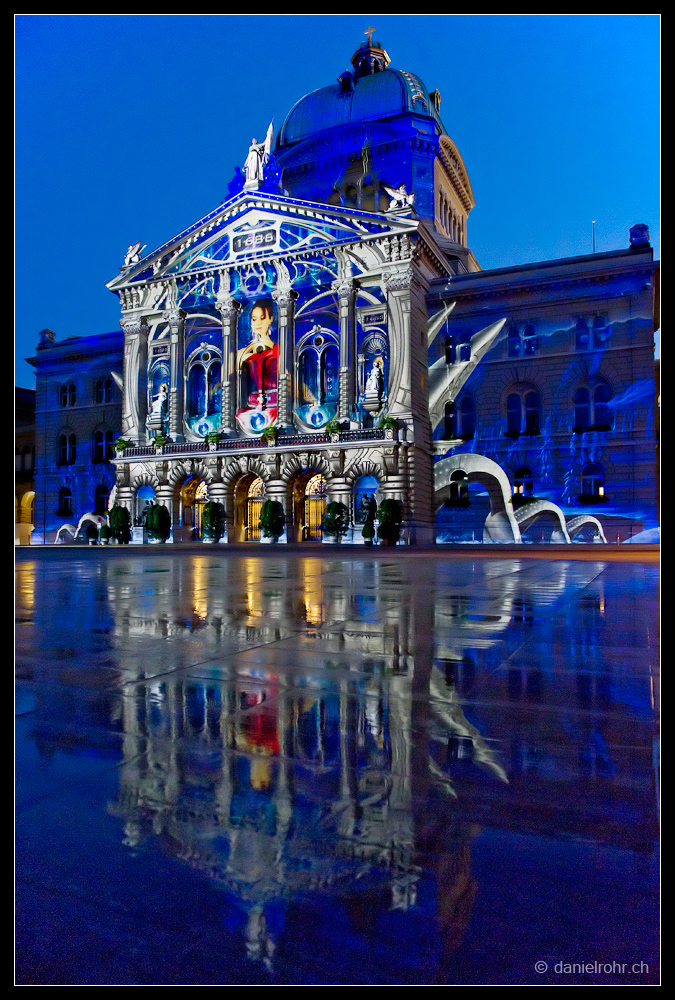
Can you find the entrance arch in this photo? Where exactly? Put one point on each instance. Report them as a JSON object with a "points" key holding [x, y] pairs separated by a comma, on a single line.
{"points": [[309, 504], [189, 498], [249, 496]]}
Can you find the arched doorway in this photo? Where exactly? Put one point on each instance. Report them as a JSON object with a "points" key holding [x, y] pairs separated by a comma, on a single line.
{"points": [[309, 504], [144, 497], [193, 496], [249, 496]]}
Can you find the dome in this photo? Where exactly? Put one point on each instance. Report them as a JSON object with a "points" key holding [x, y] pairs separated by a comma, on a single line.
{"points": [[373, 92]]}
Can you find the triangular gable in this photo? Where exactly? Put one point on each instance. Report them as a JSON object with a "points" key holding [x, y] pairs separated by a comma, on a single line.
{"points": [[254, 227]]}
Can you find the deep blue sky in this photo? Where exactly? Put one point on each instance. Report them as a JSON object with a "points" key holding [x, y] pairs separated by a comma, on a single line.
{"points": [[129, 128]]}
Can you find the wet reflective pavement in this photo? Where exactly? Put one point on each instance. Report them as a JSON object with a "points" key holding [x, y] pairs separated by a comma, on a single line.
{"points": [[287, 769]]}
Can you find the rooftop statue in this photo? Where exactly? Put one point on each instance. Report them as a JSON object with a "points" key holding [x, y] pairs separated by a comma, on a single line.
{"points": [[133, 254], [258, 155], [399, 197]]}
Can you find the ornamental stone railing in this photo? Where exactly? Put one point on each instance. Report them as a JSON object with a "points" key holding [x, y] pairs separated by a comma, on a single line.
{"points": [[229, 445]]}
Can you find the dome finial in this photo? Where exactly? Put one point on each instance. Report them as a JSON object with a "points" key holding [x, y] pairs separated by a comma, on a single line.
{"points": [[370, 57]]}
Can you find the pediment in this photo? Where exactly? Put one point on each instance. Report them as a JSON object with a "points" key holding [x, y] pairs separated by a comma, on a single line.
{"points": [[253, 227]]}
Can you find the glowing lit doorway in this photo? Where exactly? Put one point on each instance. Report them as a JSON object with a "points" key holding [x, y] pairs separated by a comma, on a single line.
{"points": [[254, 502], [315, 505], [193, 496]]}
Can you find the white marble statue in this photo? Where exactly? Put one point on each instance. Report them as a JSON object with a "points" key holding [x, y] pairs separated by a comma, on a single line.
{"points": [[133, 254], [399, 197], [258, 155], [375, 381], [159, 403]]}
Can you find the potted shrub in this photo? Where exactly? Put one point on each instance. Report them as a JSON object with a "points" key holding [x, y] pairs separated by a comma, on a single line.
{"points": [[160, 440], [212, 439], [332, 427], [92, 534], [335, 520], [120, 524], [158, 523], [270, 435], [213, 521], [389, 425], [368, 531], [272, 519], [120, 445], [390, 517], [105, 533]]}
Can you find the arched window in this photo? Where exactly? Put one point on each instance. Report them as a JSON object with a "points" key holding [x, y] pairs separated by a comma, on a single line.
{"points": [[448, 422], [72, 395], [514, 343], [459, 485], [103, 393], [532, 413], [65, 502], [449, 351], [103, 448], [601, 414], [523, 414], [63, 396], [513, 414], [582, 410], [523, 484], [467, 418], [599, 332], [67, 449], [592, 481], [529, 341], [101, 499], [464, 347], [582, 335]]}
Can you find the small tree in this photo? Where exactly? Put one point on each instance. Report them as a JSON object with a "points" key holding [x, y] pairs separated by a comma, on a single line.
{"points": [[158, 522], [335, 520], [105, 533], [272, 519], [120, 523], [213, 521], [390, 517], [92, 533]]}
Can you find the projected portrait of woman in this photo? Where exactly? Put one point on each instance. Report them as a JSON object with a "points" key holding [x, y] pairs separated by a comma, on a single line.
{"points": [[257, 365]]}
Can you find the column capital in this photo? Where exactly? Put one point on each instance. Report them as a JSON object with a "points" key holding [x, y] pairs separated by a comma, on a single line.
{"points": [[344, 287], [133, 324], [227, 307], [174, 317], [284, 296], [399, 280]]}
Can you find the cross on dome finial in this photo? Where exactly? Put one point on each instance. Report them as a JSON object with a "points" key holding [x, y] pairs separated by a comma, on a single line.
{"points": [[369, 31]]}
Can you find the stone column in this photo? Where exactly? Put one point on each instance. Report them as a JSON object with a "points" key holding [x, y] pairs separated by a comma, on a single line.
{"points": [[285, 300], [175, 317], [135, 400], [229, 310], [345, 288]]}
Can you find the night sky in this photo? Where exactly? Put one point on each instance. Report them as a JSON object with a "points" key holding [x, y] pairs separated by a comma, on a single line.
{"points": [[129, 127]]}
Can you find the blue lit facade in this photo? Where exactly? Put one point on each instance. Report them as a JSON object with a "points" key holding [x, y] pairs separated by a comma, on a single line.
{"points": [[268, 343]]}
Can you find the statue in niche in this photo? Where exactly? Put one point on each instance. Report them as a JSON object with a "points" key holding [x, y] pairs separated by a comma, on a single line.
{"points": [[158, 411], [258, 156], [375, 380], [399, 197], [133, 254]]}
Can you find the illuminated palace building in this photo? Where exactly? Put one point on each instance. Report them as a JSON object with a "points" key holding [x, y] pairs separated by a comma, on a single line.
{"points": [[327, 333]]}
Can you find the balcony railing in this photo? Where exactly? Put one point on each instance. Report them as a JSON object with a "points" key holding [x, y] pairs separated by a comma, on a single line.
{"points": [[230, 445]]}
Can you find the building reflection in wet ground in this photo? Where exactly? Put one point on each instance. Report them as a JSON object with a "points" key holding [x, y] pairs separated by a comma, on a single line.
{"points": [[307, 770]]}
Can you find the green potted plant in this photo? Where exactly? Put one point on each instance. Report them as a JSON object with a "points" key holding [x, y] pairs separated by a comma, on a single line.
{"points": [[270, 435], [121, 444], [332, 427], [212, 439], [213, 521], [92, 533], [368, 531], [390, 517], [105, 533], [388, 424], [120, 524], [272, 519], [158, 523], [160, 440], [335, 520]]}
